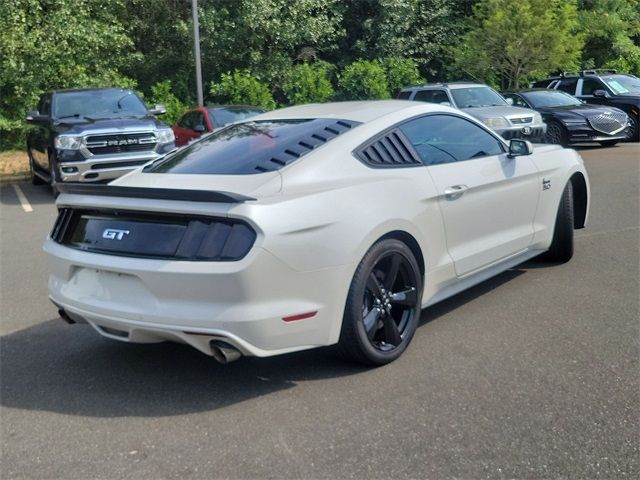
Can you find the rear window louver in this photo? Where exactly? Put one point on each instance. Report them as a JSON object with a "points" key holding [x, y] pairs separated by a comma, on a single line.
{"points": [[306, 145], [392, 150]]}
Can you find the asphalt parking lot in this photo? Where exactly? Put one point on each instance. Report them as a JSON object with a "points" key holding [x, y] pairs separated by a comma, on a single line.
{"points": [[533, 374]]}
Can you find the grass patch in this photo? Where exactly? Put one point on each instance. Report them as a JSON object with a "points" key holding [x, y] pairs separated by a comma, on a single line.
{"points": [[14, 162]]}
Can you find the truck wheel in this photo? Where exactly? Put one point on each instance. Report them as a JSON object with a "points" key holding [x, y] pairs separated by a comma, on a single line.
{"points": [[35, 179]]}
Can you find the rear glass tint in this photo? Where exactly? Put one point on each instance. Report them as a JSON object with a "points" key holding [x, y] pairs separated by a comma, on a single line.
{"points": [[252, 147]]}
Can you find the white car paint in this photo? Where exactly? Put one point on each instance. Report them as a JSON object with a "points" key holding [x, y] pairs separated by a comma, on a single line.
{"points": [[315, 219]]}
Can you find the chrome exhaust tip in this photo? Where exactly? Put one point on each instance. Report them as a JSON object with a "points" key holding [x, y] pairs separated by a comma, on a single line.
{"points": [[223, 352]]}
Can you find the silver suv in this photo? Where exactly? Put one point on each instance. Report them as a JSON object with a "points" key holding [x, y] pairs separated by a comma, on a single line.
{"points": [[485, 104]]}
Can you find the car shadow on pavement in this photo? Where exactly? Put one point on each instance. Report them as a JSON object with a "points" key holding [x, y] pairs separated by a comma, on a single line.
{"points": [[70, 369]]}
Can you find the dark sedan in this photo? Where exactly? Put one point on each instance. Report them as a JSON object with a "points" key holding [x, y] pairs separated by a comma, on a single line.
{"points": [[569, 120]]}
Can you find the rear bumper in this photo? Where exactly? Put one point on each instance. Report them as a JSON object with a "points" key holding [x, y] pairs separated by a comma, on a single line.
{"points": [[242, 303]]}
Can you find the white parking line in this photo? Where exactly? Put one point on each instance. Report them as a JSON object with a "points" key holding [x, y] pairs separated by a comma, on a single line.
{"points": [[26, 206]]}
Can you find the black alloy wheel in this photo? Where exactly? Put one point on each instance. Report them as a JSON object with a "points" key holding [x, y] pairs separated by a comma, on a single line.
{"points": [[383, 307], [556, 134]]}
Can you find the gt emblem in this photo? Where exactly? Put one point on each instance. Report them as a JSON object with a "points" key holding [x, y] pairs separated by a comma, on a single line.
{"points": [[114, 234], [546, 184]]}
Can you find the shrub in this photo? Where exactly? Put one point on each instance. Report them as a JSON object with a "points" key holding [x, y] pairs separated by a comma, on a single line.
{"points": [[240, 87], [400, 72], [161, 93], [308, 83], [363, 80]]}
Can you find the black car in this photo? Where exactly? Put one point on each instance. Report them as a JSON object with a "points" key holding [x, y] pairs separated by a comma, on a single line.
{"points": [[602, 87], [570, 120], [93, 135]]}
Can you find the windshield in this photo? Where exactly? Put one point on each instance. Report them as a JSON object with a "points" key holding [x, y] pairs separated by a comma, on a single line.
{"points": [[623, 84], [252, 147], [94, 104], [550, 98], [477, 97], [225, 116]]}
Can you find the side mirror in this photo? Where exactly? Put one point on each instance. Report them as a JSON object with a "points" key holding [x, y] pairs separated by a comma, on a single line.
{"points": [[199, 129], [518, 148], [509, 101], [158, 110], [600, 93], [33, 116]]}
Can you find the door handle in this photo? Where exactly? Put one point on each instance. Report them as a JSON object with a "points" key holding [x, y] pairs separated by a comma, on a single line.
{"points": [[454, 192]]}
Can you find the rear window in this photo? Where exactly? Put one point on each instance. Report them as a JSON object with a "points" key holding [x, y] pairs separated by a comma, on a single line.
{"points": [[252, 147]]}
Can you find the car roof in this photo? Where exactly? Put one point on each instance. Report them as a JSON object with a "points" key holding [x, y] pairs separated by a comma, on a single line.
{"points": [[358, 111], [450, 85], [231, 107], [89, 89]]}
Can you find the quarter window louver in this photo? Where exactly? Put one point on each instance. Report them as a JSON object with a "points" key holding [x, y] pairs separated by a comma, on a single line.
{"points": [[389, 151]]}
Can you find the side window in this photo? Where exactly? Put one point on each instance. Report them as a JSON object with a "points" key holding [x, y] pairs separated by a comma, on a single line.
{"points": [[431, 96], [404, 95], [44, 107], [442, 139], [568, 85], [590, 85], [518, 101], [186, 121], [198, 119]]}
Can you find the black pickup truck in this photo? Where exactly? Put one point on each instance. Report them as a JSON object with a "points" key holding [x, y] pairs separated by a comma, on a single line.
{"points": [[93, 135]]}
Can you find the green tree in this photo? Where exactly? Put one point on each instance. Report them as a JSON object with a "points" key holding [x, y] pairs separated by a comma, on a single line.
{"points": [[308, 83], [612, 34], [241, 87], [419, 29], [512, 41], [161, 93], [264, 36], [363, 80], [51, 44], [400, 72]]}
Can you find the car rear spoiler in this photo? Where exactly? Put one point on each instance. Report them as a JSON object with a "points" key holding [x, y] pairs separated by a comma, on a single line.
{"points": [[153, 193]]}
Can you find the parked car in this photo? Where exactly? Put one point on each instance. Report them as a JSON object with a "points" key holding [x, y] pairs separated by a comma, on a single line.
{"points": [[483, 103], [92, 135], [570, 120], [308, 226], [602, 87], [201, 120]]}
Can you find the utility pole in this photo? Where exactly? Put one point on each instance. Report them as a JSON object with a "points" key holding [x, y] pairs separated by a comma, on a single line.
{"points": [[196, 50]]}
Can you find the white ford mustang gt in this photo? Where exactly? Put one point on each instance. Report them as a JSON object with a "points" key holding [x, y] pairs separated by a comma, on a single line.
{"points": [[308, 226]]}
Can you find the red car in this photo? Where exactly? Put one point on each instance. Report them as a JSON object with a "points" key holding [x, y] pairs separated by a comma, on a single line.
{"points": [[200, 120]]}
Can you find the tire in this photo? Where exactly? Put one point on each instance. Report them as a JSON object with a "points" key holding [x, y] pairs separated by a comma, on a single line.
{"points": [[383, 308], [35, 179], [609, 143], [633, 132], [561, 249], [53, 177], [556, 134]]}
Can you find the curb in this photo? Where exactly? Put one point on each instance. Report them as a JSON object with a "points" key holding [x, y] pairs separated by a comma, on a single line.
{"points": [[5, 179]]}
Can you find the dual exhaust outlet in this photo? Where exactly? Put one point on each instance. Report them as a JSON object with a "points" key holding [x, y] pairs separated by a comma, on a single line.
{"points": [[222, 351]]}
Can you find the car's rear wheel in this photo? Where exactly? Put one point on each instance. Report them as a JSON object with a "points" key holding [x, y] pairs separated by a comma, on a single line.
{"points": [[383, 305], [556, 133], [561, 249]]}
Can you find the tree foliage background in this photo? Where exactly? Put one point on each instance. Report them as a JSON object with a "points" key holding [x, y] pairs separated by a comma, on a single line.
{"points": [[280, 52]]}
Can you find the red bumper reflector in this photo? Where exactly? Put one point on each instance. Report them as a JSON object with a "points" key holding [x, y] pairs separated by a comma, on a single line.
{"points": [[300, 316]]}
